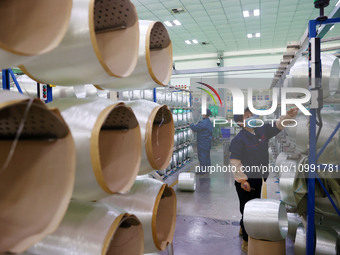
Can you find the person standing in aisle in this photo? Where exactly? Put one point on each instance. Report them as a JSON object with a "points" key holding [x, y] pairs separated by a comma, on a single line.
{"points": [[204, 129], [250, 148]]}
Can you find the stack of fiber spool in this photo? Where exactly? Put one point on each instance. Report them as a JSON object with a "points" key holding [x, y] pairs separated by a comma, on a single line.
{"points": [[266, 223], [89, 150]]}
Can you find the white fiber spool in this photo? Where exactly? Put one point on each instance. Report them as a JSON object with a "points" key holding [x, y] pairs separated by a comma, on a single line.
{"points": [[185, 121], [20, 39], [187, 181], [148, 94], [101, 44], [157, 131], [93, 228], [108, 143], [293, 222], [154, 66], [185, 153], [174, 161], [180, 118], [154, 203], [325, 243], [176, 139], [37, 159], [175, 118], [265, 219], [191, 152], [332, 151], [190, 134], [160, 96], [180, 156], [330, 74]]}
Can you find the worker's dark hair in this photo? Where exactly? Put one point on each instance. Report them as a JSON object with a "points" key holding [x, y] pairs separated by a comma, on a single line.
{"points": [[238, 117]]}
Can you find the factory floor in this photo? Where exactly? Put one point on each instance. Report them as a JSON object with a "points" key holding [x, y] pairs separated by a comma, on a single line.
{"points": [[208, 219]]}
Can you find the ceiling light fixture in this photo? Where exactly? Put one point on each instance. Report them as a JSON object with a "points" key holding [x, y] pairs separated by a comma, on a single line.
{"points": [[246, 13], [331, 28], [337, 3], [187, 41], [249, 35], [256, 12], [177, 23], [257, 35], [195, 41], [168, 23]]}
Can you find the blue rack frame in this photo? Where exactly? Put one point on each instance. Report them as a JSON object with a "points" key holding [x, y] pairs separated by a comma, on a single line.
{"points": [[313, 157]]}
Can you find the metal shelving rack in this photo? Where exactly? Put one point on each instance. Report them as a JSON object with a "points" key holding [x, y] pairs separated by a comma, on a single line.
{"points": [[316, 104]]}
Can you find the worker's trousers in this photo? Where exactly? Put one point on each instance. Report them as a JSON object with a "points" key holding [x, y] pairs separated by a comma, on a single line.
{"points": [[244, 197]]}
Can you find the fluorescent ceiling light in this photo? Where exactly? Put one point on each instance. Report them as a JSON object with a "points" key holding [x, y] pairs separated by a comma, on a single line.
{"points": [[168, 23], [257, 34], [331, 28], [187, 42], [257, 12], [195, 41], [337, 3], [249, 35], [177, 23], [246, 13]]}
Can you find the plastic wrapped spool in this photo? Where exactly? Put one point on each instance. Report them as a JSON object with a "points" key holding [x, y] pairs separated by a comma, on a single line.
{"points": [[160, 96], [180, 98], [185, 153], [181, 136], [157, 130], [176, 139], [190, 117], [52, 19], [180, 156], [174, 161], [154, 203], [191, 153], [37, 171], [190, 134], [325, 243], [174, 98], [101, 44], [185, 121], [332, 151], [323, 204], [330, 74], [137, 95], [265, 219], [154, 66], [108, 143], [148, 94], [294, 220], [93, 228], [180, 119], [187, 181], [175, 118], [126, 95], [168, 97]]}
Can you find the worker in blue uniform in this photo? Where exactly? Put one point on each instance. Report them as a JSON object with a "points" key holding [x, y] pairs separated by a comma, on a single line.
{"points": [[204, 129], [249, 148]]}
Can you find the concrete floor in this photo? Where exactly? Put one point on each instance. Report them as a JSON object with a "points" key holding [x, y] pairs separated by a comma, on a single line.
{"points": [[208, 219]]}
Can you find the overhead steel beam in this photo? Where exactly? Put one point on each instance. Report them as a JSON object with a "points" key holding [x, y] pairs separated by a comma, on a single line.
{"points": [[226, 69]]}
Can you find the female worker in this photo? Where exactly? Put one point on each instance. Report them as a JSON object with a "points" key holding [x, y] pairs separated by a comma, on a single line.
{"points": [[249, 148]]}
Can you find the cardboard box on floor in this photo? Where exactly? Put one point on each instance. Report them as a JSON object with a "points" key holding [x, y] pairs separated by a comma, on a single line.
{"points": [[260, 247]]}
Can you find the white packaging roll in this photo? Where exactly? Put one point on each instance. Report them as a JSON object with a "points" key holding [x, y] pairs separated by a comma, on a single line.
{"points": [[265, 219], [187, 181]]}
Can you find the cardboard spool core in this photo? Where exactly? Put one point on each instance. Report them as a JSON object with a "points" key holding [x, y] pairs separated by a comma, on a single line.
{"points": [[165, 217], [160, 54], [36, 186], [31, 27], [117, 35], [162, 139], [117, 147], [128, 238]]}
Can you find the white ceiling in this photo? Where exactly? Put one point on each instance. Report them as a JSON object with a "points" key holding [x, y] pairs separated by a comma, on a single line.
{"points": [[221, 23]]}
